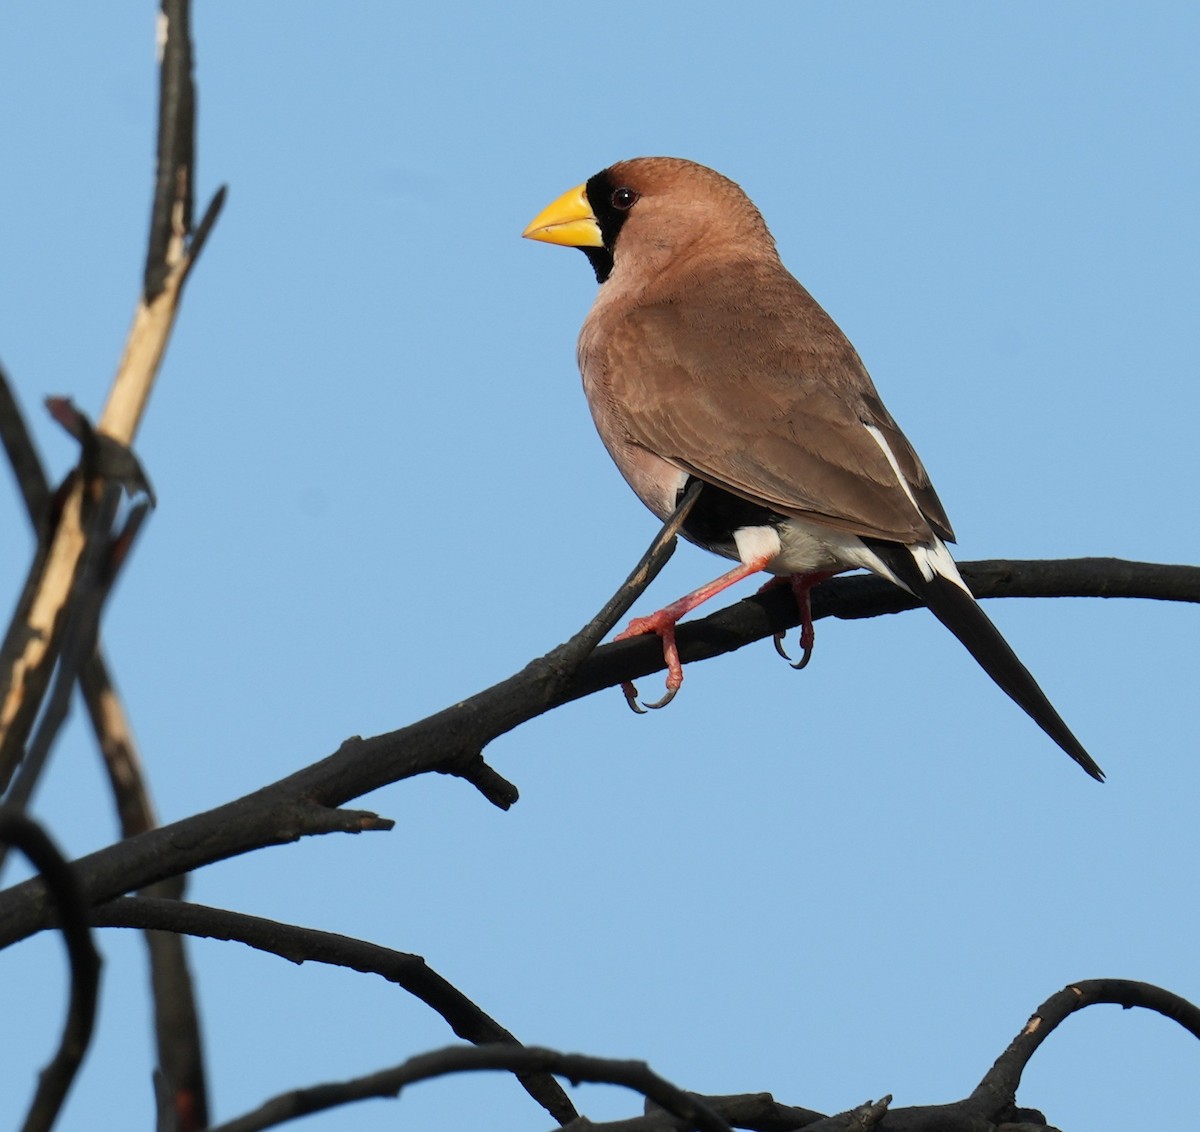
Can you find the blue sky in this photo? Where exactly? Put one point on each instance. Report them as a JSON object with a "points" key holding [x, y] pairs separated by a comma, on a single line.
{"points": [[380, 491]]}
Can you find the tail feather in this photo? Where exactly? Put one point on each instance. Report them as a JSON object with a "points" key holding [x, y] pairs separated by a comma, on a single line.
{"points": [[952, 604]]}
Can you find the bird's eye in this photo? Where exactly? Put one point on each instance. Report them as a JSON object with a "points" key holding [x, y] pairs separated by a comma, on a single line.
{"points": [[624, 199]]}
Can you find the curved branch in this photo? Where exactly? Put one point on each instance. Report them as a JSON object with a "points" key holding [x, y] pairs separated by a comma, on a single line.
{"points": [[991, 1105], [55, 1080], [575, 1067], [299, 945], [451, 741], [999, 1085]]}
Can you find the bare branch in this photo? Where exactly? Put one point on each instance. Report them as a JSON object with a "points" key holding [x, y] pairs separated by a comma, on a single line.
{"points": [[575, 1067], [856, 597], [33, 639], [999, 1085], [552, 673], [78, 642], [306, 802], [171, 212], [177, 1027], [109, 720], [300, 945], [22, 454], [55, 1080], [861, 1119], [758, 1112]]}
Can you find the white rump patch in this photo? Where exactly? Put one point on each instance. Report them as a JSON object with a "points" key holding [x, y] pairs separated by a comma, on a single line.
{"points": [[755, 543]]}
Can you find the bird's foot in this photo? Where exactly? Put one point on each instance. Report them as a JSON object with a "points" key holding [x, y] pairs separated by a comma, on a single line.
{"points": [[802, 585], [663, 624], [805, 655]]}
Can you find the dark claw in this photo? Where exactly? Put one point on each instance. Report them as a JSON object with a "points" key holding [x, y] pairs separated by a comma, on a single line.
{"points": [[631, 698], [796, 664]]}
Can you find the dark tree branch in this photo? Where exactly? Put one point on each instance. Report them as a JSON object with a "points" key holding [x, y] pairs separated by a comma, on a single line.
{"points": [[55, 1080], [575, 1067], [22, 454], [171, 212], [33, 644], [999, 1085], [857, 596], [861, 1119], [553, 672], [307, 801], [758, 1112], [300, 945], [568, 657], [177, 1026]]}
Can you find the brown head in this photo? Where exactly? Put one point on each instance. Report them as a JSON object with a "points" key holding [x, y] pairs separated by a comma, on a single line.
{"points": [[643, 214]]}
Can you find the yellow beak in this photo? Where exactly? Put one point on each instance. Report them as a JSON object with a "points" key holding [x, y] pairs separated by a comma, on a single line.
{"points": [[569, 221]]}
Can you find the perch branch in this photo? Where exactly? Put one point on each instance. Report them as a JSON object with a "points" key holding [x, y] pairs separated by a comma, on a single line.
{"points": [[307, 801]]}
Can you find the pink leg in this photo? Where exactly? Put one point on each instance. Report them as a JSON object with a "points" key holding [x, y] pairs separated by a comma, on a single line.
{"points": [[663, 623], [802, 586]]}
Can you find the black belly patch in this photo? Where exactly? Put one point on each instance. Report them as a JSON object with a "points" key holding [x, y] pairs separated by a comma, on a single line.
{"points": [[718, 513]]}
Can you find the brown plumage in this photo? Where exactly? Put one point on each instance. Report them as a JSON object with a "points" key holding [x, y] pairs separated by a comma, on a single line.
{"points": [[700, 338], [703, 358]]}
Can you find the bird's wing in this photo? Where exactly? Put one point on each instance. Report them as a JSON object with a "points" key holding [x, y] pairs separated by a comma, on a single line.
{"points": [[776, 408]]}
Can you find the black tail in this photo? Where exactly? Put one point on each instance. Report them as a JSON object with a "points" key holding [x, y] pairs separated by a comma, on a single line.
{"points": [[961, 614]]}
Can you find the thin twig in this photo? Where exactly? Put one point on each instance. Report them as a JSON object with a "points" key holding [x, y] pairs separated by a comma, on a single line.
{"points": [[22, 454], [60, 880], [555, 670], [177, 1025], [567, 657]]}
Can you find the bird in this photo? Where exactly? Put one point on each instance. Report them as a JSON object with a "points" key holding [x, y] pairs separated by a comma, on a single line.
{"points": [[704, 359]]}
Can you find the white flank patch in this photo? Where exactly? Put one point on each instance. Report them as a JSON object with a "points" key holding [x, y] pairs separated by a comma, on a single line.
{"points": [[757, 543]]}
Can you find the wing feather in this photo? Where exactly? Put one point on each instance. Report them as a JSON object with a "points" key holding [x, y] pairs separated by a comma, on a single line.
{"points": [[755, 389]]}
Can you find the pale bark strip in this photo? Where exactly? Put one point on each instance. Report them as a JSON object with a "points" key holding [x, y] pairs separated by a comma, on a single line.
{"points": [[31, 645]]}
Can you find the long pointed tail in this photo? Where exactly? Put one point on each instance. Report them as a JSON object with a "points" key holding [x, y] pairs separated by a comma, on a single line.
{"points": [[954, 607]]}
